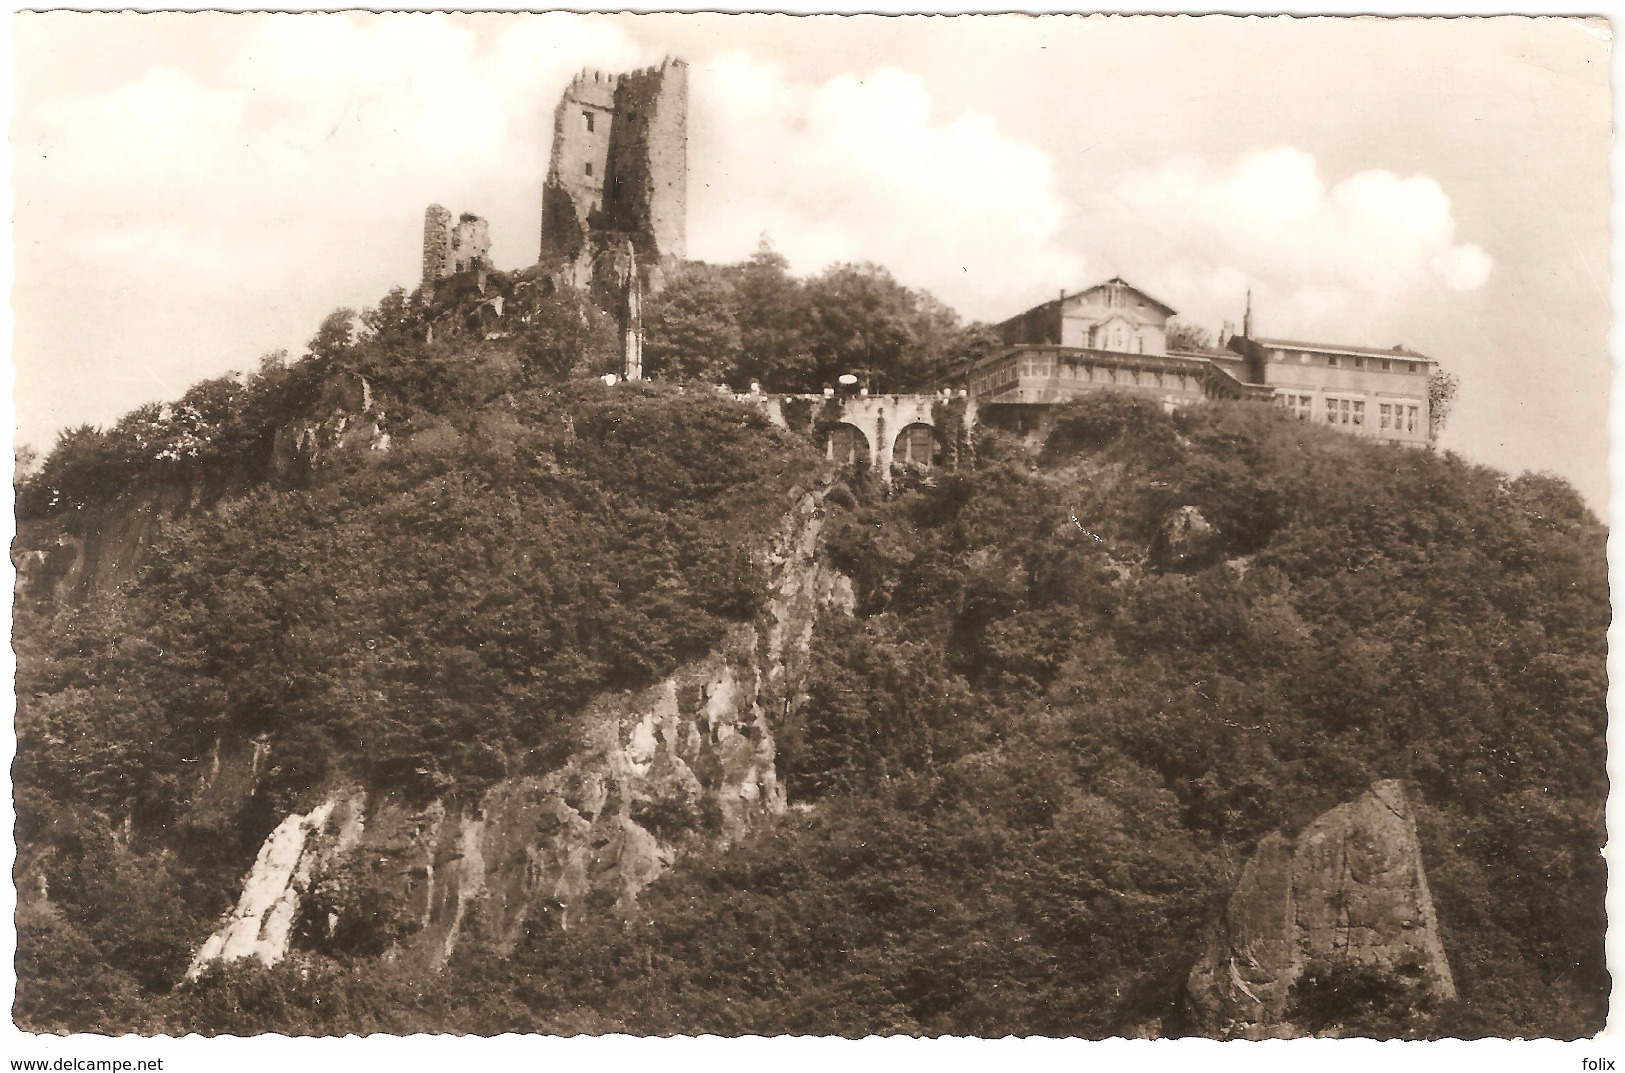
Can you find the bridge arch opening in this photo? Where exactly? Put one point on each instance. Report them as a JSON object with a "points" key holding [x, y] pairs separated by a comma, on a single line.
{"points": [[848, 444], [916, 445]]}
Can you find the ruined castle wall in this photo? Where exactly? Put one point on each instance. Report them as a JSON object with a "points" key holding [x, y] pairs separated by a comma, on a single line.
{"points": [[436, 243], [470, 244], [582, 127], [647, 191], [451, 248], [619, 171]]}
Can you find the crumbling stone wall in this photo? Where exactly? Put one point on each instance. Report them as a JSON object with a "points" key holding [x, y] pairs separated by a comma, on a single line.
{"points": [[619, 171], [450, 248], [470, 244], [436, 242], [575, 179], [647, 181]]}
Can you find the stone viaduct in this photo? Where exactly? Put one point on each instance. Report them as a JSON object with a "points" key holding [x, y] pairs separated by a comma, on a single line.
{"points": [[879, 431]]}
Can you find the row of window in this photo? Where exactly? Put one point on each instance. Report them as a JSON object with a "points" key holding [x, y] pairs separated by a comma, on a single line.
{"points": [[1391, 417], [1355, 361], [1039, 368], [1302, 406], [1117, 338], [1400, 417]]}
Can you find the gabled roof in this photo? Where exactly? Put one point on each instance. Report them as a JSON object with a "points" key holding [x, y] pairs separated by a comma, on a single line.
{"points": [[1067, 296], [1164, 306], [1331, 348]]}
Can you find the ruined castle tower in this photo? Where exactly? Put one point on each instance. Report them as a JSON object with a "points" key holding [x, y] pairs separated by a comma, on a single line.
{"points": [[619, 171], [449, 248]]}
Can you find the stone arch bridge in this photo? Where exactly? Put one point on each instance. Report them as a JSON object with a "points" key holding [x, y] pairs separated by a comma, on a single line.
{"points": [[882, 431]]}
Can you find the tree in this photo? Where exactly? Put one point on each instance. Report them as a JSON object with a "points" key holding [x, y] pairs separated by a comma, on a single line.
{"points": [[335, 335], [1183, 335], [773, 313], [563, 334], [25, 462], [863, 321], [1441, 396], [691, 328]]}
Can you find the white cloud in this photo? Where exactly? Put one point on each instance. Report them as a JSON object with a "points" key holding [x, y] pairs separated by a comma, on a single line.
{"points": [[284, 178], [1323, 258], [861, 168], [326, 128]]}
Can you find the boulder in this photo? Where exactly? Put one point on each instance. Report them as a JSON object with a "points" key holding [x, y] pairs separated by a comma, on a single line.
{"points": [[1338, 918]]}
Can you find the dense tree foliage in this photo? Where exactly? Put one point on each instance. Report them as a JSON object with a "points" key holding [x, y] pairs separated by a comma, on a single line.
{"points": [[1037, 761], [1183, 335], [424, 618], [749, 322], [1028, 770]]}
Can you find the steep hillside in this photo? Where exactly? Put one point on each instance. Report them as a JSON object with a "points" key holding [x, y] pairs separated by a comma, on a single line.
{"points": [[1104, 706], [420, 624]]}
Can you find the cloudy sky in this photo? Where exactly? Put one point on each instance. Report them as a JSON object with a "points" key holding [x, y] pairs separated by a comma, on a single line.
{"points": [[192, 191]]}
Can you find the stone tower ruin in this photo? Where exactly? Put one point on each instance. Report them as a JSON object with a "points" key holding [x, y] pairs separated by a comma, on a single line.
{"points": [[619, 174], [450, 248]]}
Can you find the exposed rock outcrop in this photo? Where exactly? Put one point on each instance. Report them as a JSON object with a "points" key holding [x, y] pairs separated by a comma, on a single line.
{"points": [[67, 559], [684, 763], [265, 914], [354, 422], [1185, 541], [1344, 903]]}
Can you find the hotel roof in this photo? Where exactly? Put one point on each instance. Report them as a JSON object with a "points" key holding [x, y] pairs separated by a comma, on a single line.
{"points": [[1332, 348]]}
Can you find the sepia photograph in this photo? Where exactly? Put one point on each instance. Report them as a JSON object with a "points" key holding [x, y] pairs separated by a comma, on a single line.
{"points": [[1090, 527]]}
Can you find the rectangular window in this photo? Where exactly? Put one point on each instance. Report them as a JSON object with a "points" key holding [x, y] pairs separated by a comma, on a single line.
{"points": [[1385, 416], [1359, 363], [1359, 412], [589, 167], [1331, 411], [1410, 419], [1331, 359], [586, 118], [1387, 365]]}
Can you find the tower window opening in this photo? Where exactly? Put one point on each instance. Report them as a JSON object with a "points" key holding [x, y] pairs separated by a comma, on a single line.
{"points": [[589, 167], [586, 119]]}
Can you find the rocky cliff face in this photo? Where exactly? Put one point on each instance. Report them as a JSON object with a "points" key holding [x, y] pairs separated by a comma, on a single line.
{"points": [[685, 763], [353, 422], [106, 546], [1344, 907]]}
